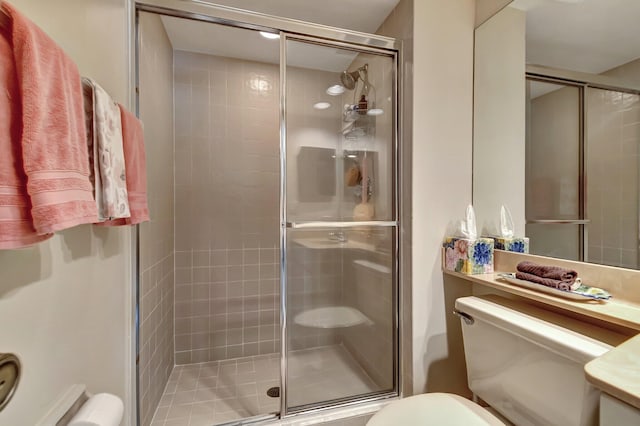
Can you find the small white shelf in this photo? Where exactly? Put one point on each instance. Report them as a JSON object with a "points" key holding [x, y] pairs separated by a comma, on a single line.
{"points": [[331, 317]]}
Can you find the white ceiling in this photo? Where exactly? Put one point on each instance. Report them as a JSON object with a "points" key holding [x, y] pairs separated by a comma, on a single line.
{"points": [[357, 15], [590, 36], [230, 42], [219, 40]]}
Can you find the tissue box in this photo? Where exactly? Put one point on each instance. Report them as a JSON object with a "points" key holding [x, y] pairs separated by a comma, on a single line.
{"points": [[518, 245], [468, 256]]}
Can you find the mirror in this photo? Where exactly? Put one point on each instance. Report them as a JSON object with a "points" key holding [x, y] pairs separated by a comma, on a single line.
{"points": [[557, 127]]}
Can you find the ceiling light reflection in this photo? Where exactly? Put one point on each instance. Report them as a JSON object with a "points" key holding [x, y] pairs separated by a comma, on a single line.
{"points": [[335, 90], [270, 36], [322, 105]]}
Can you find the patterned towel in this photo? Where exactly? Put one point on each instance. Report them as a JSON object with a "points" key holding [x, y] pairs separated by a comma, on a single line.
{"points": [[134, 158], [106, 155]]}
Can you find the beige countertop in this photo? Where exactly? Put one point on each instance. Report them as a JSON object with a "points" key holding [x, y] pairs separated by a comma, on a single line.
{"points": [[618, 372], [619, 312]]}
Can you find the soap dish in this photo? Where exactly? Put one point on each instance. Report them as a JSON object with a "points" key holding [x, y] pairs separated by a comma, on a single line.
{"points": [[582, 293]]}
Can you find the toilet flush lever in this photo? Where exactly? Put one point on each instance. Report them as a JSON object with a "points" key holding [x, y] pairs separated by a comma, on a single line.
{"points": [[468, 319]]}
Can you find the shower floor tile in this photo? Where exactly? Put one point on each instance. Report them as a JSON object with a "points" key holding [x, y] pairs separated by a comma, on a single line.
{"points": [[222, 391]]}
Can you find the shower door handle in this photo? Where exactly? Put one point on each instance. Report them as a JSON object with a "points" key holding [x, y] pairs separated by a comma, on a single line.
{"points": [[320, 224]]}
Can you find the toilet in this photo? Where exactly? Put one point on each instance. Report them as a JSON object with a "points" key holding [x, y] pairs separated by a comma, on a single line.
{"points": [[526, 363]]}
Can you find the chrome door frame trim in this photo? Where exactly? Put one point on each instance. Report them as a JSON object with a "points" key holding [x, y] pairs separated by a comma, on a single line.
{"points": [[283, 228], [332, 404], [135, 397], [396, 173], [397, 391], [581, 79], [206, 11]]}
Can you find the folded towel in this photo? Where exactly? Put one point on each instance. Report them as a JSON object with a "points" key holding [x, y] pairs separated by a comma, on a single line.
{"points": [[135, 163], [549, 282], [106, 153], [44, 172], [553, 272]]}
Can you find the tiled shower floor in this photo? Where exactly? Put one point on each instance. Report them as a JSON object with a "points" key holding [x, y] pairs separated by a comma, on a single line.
{"points": [[221, 391]]}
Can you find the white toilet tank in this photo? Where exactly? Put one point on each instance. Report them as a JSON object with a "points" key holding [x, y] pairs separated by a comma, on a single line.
{"points": [[528, 364]]}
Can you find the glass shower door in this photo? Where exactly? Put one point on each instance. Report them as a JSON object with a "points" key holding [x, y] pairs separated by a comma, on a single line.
{"points": [[554, 170], [339, 225]]}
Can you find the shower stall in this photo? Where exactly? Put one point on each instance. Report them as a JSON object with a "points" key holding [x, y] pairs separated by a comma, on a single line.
{"points": [[582, 184], [269, 278]]}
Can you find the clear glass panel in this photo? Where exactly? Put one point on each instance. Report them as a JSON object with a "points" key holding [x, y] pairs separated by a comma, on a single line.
{"points": [[553, 151], [555, 240], [340, 316], [613, 138], [226, 206], [339, 134]]}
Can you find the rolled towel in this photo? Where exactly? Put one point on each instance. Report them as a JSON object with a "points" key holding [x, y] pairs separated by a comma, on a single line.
{"points": [[549, 282], [553, 272]]}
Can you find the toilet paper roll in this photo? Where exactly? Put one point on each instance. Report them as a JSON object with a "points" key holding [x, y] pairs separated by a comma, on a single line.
{"points": [[103, 409]]}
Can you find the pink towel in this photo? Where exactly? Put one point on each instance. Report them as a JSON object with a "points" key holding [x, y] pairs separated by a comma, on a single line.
{"points": [[135, 169], [16, 229], [48, 152]]}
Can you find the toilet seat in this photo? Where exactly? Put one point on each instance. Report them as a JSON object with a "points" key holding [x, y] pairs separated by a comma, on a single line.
{"points": [[436, 409]]}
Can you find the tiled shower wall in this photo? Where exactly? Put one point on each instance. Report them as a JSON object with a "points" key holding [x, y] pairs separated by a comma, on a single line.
{"points": [[227, 176], [613, 132], [612, 181], [156, 237], [227, 207]]}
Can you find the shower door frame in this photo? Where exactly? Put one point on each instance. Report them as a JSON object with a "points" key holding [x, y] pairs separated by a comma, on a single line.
{"points": [[290, 29], [582, 81], [287, 225]]}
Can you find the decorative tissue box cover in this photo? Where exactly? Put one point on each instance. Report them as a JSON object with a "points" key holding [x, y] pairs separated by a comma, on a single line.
{"points": [[518, 245], [468, 256]]}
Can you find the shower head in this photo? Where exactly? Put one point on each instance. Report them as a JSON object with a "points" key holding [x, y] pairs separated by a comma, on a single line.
{"points": [[349, 79]]}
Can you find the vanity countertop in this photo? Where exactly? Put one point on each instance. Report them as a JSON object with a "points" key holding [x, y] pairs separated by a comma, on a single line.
{"points": [[619, 312], [618, 372]]}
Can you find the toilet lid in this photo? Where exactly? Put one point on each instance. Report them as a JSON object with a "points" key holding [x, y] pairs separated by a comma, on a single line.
{"points": [[434, 409]]}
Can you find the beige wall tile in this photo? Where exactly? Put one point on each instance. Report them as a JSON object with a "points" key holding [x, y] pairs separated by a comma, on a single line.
{"points": [[156, 236]]}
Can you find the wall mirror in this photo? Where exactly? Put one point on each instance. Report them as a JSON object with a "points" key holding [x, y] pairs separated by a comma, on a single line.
{"points": [[557, 127]]}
